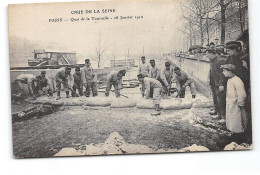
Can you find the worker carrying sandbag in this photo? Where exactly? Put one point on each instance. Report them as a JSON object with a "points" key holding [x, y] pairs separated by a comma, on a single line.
{"points": [[77, 85], [115, 78], [43, 86], [21, 82], [64, 77], [156, 86], [167, 75], [182, 81]]}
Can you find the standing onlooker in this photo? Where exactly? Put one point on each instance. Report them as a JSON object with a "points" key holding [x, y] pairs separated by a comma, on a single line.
{"points": [[234, 57], [77, 82], [236, 117], [217, 82], [88, 79]]}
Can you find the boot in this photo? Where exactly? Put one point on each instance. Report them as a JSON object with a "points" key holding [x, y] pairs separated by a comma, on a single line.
{"points": [[67, 94], [157, 107], [157, 110]]}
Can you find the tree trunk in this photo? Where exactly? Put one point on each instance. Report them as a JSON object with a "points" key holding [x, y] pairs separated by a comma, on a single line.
{"points": [[201, 33], [190, 34], [241, 21], [223, 22]]}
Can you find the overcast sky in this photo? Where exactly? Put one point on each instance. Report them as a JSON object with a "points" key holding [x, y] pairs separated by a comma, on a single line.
{"points": [[157, 31]]}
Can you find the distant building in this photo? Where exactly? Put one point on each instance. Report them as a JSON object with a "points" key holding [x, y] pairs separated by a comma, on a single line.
{"points": [[121, 63]]}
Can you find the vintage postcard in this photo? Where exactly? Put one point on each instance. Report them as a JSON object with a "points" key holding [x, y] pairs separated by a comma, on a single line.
{"points": [[129, 77]]}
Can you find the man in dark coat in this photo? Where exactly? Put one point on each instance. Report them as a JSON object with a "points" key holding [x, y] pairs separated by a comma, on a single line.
{"points": [[217, 82], [234, 57]]}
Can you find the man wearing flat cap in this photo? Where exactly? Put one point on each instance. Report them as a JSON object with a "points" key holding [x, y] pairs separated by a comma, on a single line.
{"points": [[217, 82], [234, 55], [88, 79], [43, 85], [114, 78]]}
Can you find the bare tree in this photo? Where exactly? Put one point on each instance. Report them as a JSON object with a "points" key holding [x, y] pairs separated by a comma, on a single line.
{"points": [[114, 52], [100, 50], [195, 11]]}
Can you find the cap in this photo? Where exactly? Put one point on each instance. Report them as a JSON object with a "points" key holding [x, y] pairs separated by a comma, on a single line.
{"points": [[233, 44], [87, 60], [230, 67], [142, 57], [123, 72], [43, 72], [77, 69], [140, 76], [176, 68], [167, 64], [211, 43], [68, 69], [152, 60]]}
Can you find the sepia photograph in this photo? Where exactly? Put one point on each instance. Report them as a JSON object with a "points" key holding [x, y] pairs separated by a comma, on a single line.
{"points": [[129, 77]]}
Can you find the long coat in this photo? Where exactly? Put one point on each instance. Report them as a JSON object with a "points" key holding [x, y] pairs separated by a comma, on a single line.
{"points": [[236, 98]]}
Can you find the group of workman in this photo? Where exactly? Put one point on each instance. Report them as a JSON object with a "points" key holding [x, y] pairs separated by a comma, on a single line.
{"points": [[155, 82], [85, 77]]}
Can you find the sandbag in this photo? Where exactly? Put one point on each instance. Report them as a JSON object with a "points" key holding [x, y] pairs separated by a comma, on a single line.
{"points": [[123, 103], [145, 104], [73, 103], [186, 104], [171, 104], [97, 101], [203, 104]]}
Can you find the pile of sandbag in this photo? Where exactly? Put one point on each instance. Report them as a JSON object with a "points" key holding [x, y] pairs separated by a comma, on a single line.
{"points": [[123, 103]]}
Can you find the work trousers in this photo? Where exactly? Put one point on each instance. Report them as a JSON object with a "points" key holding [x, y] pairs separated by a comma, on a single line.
{"points": [[65, 85], [91, 86], [219, 99], [76, 87], [192, 89], [115, 84]]}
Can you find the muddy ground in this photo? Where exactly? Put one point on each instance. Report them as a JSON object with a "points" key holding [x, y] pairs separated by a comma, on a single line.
{"points": [[46, 135]]}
